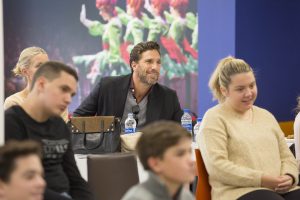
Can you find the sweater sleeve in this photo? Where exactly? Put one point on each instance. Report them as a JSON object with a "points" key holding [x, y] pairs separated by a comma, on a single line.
{"points": [[78, 186], [213, 140]]}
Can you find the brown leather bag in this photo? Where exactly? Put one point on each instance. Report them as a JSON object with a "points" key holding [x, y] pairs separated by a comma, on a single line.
{"points": [[95, 135]]}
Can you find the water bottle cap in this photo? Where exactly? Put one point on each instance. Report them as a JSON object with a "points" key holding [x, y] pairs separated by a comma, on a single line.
{"points": [[186, 110], [199, 119]]}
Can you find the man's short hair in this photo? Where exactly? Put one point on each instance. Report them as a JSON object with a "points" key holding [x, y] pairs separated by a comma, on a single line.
{"points": [[13, 150], [52, 70], [157, 137], [141, 48]]}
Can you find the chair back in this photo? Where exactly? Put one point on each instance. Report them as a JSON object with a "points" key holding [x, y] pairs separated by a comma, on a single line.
{"points": [[203, 190], [111, 175]]}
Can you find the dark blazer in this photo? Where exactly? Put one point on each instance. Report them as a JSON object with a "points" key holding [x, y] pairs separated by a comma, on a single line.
{"points": [[109, 98]]}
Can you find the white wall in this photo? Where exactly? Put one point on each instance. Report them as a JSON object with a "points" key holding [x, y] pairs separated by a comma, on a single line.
{"points": [[1, 75]]}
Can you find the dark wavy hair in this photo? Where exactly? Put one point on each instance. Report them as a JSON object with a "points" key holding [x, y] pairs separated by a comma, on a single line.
{"points": [[135, 54]]}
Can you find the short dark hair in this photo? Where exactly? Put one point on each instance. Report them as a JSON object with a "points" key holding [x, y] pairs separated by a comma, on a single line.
{"points": [[52, 70], [13, 150], [141, 48], [157, 137]]}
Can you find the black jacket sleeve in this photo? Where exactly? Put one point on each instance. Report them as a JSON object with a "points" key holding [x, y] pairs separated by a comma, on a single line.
{"points": [[79, 189], [90, 104]]}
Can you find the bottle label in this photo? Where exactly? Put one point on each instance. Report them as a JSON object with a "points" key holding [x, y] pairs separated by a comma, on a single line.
{"points": [[187, 126], [129, 130]]}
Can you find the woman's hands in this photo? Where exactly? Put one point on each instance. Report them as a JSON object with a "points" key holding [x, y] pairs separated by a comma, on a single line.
{"points": [[279, 184], [285, 185]]}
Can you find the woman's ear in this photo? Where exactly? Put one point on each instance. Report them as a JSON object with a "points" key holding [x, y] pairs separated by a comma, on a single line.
{"points": [[224, 91], [24, 71]]}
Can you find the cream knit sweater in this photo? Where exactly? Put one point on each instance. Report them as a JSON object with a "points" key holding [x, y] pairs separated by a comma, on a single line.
{"points": [[237, 153]]}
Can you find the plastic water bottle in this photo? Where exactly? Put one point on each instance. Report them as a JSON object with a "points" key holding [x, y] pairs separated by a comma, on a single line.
{"points": [[197, 128], [186, 120], [130, 124]]}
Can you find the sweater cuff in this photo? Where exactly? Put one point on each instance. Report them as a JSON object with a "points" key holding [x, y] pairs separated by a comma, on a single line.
{"points": [[293, 178], [258, 179]]}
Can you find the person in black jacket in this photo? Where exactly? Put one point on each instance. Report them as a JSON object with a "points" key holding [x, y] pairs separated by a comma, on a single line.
{"points": [[38, 118], [137, 93]]}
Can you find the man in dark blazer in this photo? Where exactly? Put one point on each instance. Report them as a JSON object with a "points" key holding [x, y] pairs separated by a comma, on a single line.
{"points": [[138, 93]]}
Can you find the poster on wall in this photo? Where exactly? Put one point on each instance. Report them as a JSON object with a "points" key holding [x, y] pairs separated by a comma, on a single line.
{"points": [[96, 37]]}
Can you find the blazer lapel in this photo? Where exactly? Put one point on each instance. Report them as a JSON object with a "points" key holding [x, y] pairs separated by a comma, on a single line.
{"points": [[121, 90], [154, 105]]}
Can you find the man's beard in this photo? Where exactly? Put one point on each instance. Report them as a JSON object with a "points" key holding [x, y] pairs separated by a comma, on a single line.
{"points": [[148, 81]]}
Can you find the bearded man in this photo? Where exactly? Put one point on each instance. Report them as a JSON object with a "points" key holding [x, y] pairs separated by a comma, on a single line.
{"points": [[138, 93]]}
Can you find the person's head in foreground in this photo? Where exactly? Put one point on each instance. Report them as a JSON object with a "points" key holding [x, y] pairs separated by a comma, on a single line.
{"points": [[164, 148], [21, 171], [53, 86], [233, 83]]}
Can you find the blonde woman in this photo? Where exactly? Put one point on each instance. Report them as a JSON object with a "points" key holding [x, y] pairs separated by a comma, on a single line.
{"points": [[29, 61], [242, 145]]}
